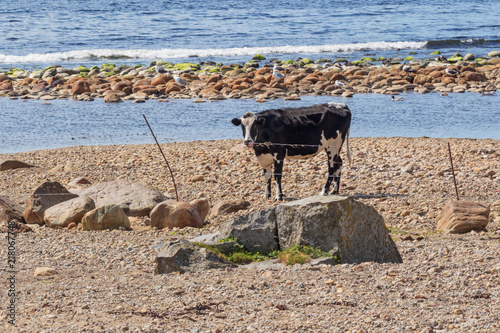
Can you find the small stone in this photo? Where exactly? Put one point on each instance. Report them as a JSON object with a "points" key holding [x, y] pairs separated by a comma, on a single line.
{"points": [[45, 271], [198, 178]]}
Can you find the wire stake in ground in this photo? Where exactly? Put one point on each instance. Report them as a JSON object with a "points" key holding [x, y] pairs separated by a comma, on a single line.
{"points": [[453, 171], [161, 151]]}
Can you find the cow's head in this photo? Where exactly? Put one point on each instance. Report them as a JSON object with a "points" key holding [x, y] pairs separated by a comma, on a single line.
{"points": [[251, 125]]}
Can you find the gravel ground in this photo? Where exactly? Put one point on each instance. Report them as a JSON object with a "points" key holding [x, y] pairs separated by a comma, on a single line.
{"points": [[104, 281]]}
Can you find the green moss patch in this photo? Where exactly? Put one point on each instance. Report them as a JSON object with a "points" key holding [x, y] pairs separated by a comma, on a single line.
{"points": [[300, 254], [184, 66], [83, 69], [231, 250], [258, 57], [108, 66]]}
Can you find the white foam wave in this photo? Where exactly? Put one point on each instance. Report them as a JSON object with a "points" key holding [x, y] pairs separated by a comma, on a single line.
{"points": [[185, 53]]}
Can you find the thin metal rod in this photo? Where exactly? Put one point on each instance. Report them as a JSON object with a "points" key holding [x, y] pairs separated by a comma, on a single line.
{"points": [[161, 151], [453, 171]]}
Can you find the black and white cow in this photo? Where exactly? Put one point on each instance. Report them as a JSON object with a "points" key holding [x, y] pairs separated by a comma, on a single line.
{"points": [[297, 133]]}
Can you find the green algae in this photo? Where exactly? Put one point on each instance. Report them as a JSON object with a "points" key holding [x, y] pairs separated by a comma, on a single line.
{"points": [[184, 66], [258, 57], [108, 66]]}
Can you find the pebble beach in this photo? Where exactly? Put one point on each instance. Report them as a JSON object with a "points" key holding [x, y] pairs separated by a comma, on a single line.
{"points": [[104, 282]]}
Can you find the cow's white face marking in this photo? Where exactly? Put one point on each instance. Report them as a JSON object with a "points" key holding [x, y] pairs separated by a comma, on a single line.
{"points": [[247, 122]]}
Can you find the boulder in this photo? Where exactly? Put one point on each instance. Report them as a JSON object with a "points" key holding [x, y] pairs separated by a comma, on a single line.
{"points": [[341, 225], [66, 212], [80, 87], [463, 216], [40, 86], [13, 164], [348, 228], [257, 231], [106, 217], [45, 196], [226, 207], [474, 76], [112, 98], [175, 214], [9, 210], [182, 256], [135, 198], [203, 207], [494, 54]]}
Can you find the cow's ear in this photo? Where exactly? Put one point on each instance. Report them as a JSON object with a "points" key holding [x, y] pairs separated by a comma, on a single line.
{"points": [[261, 121], [236, 121]]}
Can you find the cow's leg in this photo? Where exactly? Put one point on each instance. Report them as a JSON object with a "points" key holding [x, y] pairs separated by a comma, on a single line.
{"points": [[266, 162], [334, 173], [268, 173], [337, 171], [278, 172]]}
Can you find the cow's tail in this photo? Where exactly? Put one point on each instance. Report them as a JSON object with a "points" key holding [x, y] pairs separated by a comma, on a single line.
{"points": [[349, 157]]}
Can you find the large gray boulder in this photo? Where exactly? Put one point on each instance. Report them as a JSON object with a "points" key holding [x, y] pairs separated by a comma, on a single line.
{"points": [[354, 231], [183, 256], [257, 231], [45, 196], [135, 198]]}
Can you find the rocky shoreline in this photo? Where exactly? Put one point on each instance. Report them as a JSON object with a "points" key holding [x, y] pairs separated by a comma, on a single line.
{"points": [[102, 281], [254, 79]]}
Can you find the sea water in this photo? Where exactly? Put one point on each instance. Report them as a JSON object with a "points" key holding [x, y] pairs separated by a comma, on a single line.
{"points": [[31, 124]]}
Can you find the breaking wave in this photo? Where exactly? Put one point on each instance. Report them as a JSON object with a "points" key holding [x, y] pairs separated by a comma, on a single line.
{"points": [[97, 54]]}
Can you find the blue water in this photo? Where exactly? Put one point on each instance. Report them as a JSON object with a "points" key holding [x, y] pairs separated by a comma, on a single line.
{"points": [[36, 34], [30, 125]]}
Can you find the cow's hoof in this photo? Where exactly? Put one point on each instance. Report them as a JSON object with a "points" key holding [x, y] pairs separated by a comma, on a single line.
{"points": [[279, 198]]}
